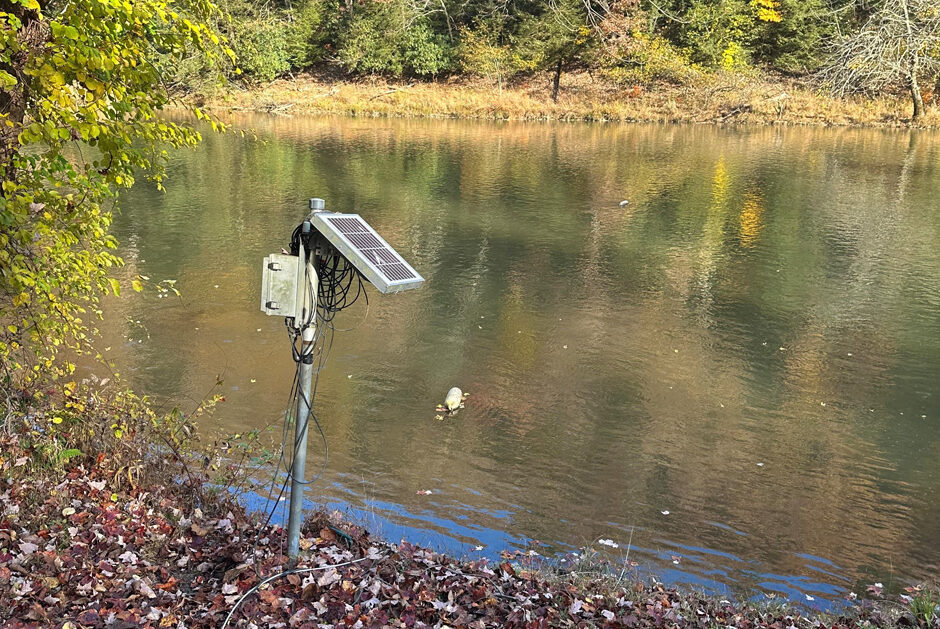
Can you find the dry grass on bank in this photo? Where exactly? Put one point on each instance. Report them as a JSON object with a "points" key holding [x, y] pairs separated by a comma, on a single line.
{"points": [[729, 100]]}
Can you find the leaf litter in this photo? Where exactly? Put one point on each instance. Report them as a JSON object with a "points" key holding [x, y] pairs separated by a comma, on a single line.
{"points": [[80, 552]]}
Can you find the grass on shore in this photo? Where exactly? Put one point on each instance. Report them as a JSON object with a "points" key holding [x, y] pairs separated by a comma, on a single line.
{"points": [[730, 99]]}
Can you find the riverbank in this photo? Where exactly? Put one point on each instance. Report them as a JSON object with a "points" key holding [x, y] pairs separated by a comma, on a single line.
{"points": [[728, 99], [87, 546]]}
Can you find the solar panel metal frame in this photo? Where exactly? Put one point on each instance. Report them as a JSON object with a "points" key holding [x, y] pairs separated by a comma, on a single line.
{"points": [[371, 269]]}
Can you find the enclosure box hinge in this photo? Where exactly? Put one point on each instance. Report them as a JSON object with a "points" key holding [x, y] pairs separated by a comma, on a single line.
{"points": [[282, 285]]}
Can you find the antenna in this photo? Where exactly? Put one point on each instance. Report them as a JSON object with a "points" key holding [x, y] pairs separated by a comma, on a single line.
{"points": [[291, 286]]}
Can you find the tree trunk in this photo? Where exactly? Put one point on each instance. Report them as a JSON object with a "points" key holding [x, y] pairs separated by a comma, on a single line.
{"points": [[914, 69], [557, 81], [32, 36], [917, 97]]}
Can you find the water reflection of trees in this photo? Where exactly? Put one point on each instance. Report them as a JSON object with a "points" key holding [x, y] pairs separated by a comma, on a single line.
{"points": [[736, 243]]}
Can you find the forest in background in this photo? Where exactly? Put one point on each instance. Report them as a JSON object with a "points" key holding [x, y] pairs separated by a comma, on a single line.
{"points": [[842, 46]]}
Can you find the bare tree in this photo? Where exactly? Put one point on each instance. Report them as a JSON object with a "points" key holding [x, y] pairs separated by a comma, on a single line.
{"points": [[897, 46]]}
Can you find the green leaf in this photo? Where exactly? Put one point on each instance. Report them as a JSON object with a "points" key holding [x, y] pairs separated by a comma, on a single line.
{"points": [[7, 80], [65, 455]]}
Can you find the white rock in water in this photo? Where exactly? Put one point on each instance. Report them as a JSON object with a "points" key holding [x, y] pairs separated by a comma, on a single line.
{"points": [[453, 399]]}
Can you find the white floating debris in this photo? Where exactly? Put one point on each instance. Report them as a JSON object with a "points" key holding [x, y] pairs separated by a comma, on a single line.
{"points": [[624, 203], [809, 598], [216, 286], [665, 512], [760, 465], [478, 548], [608, 542], [564, 347], [453, 399]]}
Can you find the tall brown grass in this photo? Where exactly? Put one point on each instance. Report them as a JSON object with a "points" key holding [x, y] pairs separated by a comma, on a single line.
{"points": [[722, 99]]}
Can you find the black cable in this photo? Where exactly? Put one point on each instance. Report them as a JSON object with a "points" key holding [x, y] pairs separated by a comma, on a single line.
{"points": [[335, 282]]}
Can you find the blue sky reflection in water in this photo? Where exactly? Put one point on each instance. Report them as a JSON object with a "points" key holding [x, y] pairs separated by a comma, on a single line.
{"points": [[752, 345]]}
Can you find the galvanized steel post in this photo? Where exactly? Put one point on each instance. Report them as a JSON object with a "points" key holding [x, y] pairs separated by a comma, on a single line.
{"points": [[300, 446]]}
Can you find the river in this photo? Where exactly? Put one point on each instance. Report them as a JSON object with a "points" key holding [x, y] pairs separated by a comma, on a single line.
{"points": [[735, 376]]}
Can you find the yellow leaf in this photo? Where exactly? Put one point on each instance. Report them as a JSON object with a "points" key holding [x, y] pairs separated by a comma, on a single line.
{"points": [[137, 286], [12, 328], [56, 420]]}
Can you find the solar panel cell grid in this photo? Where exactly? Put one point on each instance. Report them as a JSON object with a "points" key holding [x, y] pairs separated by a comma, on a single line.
{"points": [[361, 236]]}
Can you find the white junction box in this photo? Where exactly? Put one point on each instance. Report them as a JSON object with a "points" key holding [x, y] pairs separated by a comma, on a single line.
{"points": [[282, 286]]}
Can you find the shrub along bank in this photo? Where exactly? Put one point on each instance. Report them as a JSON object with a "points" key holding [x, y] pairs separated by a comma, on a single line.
{"points": [[884, 52]]}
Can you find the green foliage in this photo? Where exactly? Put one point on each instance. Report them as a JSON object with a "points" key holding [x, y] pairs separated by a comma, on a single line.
{"points": [[925, 606], [717, 34], [309, 27], [262, 48], [796, 43], [82, 90], [480, 53], [389, 38], [560, 34], [648, 60], [724, 33]]}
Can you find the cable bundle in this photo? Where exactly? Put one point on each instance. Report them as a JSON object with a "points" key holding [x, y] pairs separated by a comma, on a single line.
{"points": [[334, 285]]}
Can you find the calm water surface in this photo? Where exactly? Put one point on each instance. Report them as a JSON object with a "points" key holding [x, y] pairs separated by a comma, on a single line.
{"points": [[752, 345]]}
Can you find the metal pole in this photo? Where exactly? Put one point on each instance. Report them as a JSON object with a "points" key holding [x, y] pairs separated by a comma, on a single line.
{"points": [[300, 447], [297, 472]]}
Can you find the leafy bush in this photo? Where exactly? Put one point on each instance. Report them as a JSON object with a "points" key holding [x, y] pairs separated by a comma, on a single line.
{"points": [[480, 53], [796, 42], [387, 38], [650, 59], [262, 48], [716, 33], [84, 75], [307, 31]]}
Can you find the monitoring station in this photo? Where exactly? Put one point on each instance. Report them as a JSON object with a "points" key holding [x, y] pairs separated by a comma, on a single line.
{"points": [[329, 258]]}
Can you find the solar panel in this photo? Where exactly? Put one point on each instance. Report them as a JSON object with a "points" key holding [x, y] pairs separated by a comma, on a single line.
{"points": [[367, 251]]}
